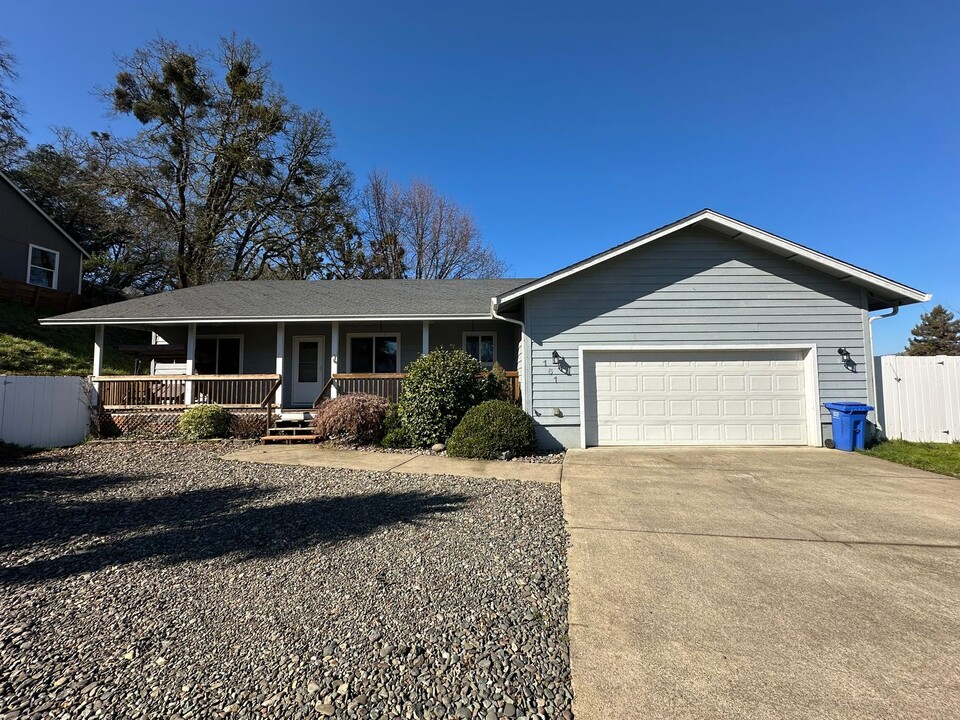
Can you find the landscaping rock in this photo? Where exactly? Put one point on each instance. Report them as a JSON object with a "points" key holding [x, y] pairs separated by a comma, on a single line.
{"points": [[438, 447], [156, 580]]}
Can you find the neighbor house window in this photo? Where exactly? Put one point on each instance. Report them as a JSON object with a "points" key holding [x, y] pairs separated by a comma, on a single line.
{"points": [[482, 346], [374, 353], [42, 269], [218, 355]]}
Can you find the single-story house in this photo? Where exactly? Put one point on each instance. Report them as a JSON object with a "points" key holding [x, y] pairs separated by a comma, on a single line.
{"points": [[705, 331], [34, 250]]}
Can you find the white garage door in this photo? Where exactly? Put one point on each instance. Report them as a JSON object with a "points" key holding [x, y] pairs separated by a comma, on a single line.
{"points": [[742, 397]]}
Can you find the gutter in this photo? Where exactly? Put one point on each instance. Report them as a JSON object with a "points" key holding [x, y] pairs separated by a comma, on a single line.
{"points": [[873, 369], [524, 392], [185, 320]]}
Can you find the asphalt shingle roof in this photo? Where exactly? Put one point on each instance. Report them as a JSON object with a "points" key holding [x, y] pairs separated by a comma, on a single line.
{"points": [[307, 299]]}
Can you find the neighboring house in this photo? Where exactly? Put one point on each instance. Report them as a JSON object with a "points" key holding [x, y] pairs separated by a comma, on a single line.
{"points": [[706, 331], [33, 248]]}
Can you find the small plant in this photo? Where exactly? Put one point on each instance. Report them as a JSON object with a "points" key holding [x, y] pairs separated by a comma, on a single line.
{"points": [[497, 385], [491, 429], [437, 392], [352, 419], [203, 421], [394, 436]]}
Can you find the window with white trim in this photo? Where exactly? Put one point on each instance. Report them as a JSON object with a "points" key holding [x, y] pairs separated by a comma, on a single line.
{"points": [[482, 346], [42, 267], [218, 355], [374, 353]]}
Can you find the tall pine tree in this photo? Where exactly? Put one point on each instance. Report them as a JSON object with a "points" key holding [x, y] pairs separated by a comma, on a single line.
{"points": [[937, 333]]}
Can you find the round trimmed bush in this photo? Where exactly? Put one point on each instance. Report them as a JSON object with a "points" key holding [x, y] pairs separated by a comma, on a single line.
{"points": [[352, 419], [437, 392], [490, 429], [201, 422]]}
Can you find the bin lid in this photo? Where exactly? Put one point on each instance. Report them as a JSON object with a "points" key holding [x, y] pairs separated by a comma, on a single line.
{"points": [[848, 407]]}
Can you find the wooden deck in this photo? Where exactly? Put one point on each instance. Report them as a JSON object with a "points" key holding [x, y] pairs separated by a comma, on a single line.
{"points": [[171, 392]]}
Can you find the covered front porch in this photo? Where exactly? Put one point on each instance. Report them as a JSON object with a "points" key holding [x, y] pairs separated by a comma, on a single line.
{"points": [[291, 367]]}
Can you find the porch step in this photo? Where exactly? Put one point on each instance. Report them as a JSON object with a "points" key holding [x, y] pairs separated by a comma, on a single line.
{"points": [[302, 437], [290, 431]]}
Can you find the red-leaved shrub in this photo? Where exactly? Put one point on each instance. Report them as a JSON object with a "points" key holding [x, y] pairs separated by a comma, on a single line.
{"points": [[351, 419]]}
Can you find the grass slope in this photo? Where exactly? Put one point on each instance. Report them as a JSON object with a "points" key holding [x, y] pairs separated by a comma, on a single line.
{"points": [[943, 458], [27, 348]]}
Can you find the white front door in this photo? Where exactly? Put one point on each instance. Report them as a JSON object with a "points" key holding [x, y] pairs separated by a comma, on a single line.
{"points": [[307, 370]]}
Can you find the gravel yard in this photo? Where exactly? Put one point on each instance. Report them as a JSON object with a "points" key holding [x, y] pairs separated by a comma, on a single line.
{"points": [[156, 580]]}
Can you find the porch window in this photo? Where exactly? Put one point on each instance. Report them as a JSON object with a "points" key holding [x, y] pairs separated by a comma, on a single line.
{"points": [[482, 346], [218, 355], [42, 267], [374, 353]]}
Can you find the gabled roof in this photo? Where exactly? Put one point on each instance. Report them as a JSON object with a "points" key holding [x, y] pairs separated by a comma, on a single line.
{"points": [[296, 300], [887, 292], [46, 217]]}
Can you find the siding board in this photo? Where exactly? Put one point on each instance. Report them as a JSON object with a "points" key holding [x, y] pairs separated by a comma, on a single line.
{"points": [[698, 288]]}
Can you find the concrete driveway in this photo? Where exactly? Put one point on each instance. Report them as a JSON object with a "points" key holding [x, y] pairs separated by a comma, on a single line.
{"points": [[761, 583]]}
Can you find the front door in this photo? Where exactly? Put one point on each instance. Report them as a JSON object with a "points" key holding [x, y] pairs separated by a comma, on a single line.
{"points": [[307, 369]]}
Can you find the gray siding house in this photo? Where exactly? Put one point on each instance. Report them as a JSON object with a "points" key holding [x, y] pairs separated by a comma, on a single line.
{"points": [[33, 248], [707, 331]]}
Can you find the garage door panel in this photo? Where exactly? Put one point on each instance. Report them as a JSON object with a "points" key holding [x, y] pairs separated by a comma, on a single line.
{"points": [[695, 397]]}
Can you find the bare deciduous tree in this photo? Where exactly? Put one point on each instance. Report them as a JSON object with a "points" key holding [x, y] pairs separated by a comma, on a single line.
{"points": [[415, 231], [12, 142]]}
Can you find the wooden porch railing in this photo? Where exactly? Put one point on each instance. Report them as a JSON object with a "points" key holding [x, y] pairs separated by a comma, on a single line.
{"points": [[387, 385], [169, 392]]}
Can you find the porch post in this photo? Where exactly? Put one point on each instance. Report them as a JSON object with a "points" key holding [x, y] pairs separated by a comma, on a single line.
{"points": [[191, 356], [334, 355], [97, 363], [280, 345], [426, 337]]}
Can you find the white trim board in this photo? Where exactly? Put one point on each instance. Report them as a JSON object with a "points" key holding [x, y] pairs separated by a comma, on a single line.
{"points": [[811, 376], [793, 250], [256, 319]]}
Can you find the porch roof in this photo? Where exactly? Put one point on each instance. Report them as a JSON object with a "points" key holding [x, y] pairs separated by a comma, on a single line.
{"points": [[302, 300]]}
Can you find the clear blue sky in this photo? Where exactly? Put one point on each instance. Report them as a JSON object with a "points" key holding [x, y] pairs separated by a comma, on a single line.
{"points": [[569, 127]]}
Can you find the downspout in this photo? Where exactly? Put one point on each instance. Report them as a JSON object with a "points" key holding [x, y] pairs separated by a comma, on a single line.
{"points": [[873, 369], [523, 349]]}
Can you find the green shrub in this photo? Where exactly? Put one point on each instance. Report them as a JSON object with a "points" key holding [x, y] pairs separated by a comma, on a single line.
{"points": [[352, 419], [497, 385], [203, 421], [492, 428], [394, 436], [438, 390]]}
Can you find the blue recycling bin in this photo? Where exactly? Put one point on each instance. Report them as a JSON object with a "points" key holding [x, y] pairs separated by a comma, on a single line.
{"points": [[849, 424]]}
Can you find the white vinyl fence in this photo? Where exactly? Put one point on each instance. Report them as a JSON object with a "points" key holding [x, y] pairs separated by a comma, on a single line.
{"points": [[44, 411], [919, 397]]}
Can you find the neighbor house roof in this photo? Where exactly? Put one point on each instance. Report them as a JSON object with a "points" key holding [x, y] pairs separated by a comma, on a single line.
{"points": [[886, 292], [46, 217], [293, 300]]}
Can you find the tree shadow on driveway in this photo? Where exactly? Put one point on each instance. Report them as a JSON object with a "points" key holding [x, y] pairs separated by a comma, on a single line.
{"points": [[67, 534]]}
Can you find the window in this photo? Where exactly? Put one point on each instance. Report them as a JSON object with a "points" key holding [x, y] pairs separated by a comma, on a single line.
{"points": [[218, 355], [374, 353], [482, 346], [42, 267]]}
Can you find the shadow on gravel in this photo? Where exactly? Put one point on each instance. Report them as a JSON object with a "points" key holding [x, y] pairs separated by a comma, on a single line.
{"points": [[189, 526]]}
